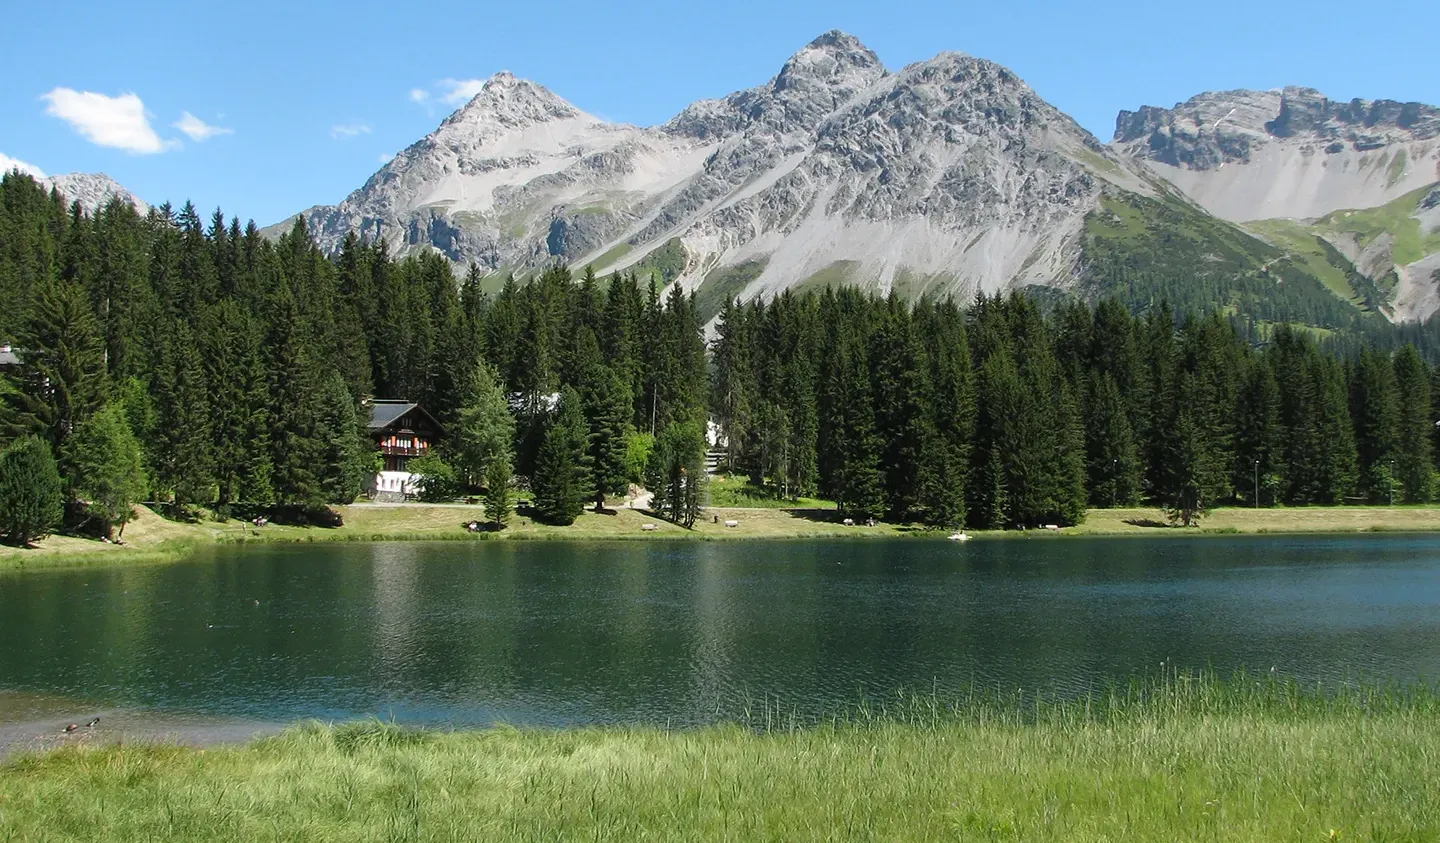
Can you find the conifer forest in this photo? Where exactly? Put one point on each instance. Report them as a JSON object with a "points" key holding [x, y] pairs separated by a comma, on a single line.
{"points": [[191, 362]]}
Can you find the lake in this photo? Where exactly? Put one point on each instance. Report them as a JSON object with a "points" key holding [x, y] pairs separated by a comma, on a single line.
{"points": [[552, 633]]}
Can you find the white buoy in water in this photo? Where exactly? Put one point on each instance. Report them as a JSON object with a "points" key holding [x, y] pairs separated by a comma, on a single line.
{"points": [[959, 537]]}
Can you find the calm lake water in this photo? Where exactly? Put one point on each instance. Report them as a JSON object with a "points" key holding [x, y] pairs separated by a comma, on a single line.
{"points": [[555, 633]]}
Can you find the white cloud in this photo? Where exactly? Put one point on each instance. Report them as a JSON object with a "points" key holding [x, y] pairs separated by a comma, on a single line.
{"points": [[459, 91], [348, 130], [118, 122], [198, 129], [419, 95], [7, 164], [386, 158]]}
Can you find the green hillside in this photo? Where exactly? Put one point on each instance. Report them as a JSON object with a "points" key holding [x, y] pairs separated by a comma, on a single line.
{"points": [[1145, 251], [1395, 218]]}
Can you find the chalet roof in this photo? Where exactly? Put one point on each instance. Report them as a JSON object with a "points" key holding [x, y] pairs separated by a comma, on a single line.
{"points": [[8, 357], [384, 414]]}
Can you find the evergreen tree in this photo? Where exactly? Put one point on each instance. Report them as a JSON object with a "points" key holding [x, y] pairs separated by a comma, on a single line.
{"points": [[486, 429], [733, 384], [60, 381], [109, 476], [857, 482], [1259, 449], [1413, 458], [902, 396], [678, 473], [607, 414], [562, 471], [1000, 399], [295, 442], [31, 501], [1194, 478], [945, 455], [1375, 409], [346, 463], [1335, 466], [497, 490], [184, 458], [1113, 456]]}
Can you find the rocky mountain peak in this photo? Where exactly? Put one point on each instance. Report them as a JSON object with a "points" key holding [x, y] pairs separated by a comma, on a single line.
{"points": [[506, 101], [93, 191], [835, 60], [1292, 153], [811, 84]]}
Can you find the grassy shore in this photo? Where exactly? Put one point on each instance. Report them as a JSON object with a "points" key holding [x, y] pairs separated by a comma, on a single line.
{"points": [[153, 538], [1196, 760]]}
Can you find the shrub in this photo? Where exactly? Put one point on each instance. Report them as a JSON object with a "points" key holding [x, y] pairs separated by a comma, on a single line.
{"points": [[31, 499]]}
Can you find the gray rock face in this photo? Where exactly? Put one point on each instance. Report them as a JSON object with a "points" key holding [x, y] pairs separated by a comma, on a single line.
{"points": [[1214, 128], [93, 191], [951, 170], [1248, 155]]}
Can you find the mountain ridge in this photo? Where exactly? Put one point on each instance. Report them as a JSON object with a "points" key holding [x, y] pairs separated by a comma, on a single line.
{"points": [[948, 176], [950, 169]]}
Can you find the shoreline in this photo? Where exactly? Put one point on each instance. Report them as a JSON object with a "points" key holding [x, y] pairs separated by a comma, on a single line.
{"points": [[152, 539], [1184, 759]]}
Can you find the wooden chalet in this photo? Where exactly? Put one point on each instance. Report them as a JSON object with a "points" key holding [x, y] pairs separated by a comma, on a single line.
{"points": [[401, 430]]}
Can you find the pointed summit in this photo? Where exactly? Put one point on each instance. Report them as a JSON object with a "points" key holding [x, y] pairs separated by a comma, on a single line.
{"points": [[506, 100], [836, 60]]}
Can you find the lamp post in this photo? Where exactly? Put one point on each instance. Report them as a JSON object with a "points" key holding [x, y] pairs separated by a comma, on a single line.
{"points": [[1114, 483], [1392, 483], [1257, 484]]}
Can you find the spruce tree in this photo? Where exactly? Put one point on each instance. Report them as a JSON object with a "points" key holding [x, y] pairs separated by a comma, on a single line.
{"points": [[607, 414], [1193, 480], [346, 463], [486, 429], [1336, 467], [1113, 456], [497, 490], [677, 473], [562, 471], [858, 483], [184, 464], [1413, 459], [1000, 400], [1375, 409], [1259, 449], [61, 377], [902, 399], [109, 476], [946, 453], [31, 500], [295, 443]]}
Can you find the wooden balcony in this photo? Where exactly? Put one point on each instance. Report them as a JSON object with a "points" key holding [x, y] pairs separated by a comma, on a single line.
{"points": [[397, 451]]}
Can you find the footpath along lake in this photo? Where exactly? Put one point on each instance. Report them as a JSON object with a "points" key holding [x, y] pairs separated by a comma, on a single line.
{"points": [[557, 634]]}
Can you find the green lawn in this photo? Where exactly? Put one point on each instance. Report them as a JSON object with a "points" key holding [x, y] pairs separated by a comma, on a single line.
{"points": [[1193, 760], [737, 491], [757, 515]]}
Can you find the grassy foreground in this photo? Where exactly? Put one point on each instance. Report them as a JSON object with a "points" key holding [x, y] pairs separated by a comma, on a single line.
{"points": [[1194, 761], [153, 538]]}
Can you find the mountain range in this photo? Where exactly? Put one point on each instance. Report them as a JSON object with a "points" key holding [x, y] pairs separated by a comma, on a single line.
{"points": [[949, 176]]}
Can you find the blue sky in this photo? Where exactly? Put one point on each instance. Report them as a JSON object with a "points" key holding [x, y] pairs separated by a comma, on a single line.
{"points": [[292, 104]]}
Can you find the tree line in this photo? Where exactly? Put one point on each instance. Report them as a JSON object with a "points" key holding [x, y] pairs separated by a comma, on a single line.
{"points": [[1000, 416], [202, 365], [199, 364]]}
